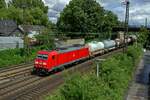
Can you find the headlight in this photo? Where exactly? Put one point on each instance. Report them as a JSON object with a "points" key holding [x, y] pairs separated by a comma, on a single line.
{"points": [[44, 63], [36, 62]]}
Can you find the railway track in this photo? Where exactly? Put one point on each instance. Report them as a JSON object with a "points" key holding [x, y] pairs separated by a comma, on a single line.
{"points": [[35, 87], [6, 69], [47, 87], [19, 71]]}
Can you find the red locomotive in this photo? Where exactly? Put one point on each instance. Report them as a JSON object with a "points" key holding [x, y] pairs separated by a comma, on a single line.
{"points": [[48, 61]]}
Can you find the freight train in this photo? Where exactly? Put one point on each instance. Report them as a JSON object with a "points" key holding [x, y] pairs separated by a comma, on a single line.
{"points": [[49, 61]]}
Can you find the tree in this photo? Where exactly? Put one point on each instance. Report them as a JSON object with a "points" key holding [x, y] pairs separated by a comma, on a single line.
{"points": [[2, 4], [85, 16], [110, 20], [29, 12], [36, 16], [46, 39], [15, 14], [81, 16], [3, 13], [29, 4], [143, 35]]}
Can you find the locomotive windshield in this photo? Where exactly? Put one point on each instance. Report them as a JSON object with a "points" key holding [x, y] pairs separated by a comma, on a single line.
{"points": [[42, 56]]}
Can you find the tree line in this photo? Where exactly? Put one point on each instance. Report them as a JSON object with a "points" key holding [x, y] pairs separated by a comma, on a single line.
{"points": [[86, 16], [77, 16], [28, 12]]}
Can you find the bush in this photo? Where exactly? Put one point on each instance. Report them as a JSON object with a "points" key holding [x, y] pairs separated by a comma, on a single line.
{"points": [[16, 56], [134, 51]]}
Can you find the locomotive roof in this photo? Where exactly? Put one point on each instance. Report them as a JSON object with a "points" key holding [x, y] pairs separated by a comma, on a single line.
{"points": [[61, 50], [67, 49], [43, 52]]}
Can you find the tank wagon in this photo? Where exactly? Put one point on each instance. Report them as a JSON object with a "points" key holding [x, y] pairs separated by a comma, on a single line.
{"points": [[49, 61], [109, 45], [95, 47]]}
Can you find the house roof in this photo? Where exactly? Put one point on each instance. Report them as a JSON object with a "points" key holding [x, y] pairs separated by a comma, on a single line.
{"points": [[7, 27], [28, 28], [9, 23]]}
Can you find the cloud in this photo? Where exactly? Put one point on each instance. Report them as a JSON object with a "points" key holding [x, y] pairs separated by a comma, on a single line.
{"points": [[55, 7], [53, 13], [139, 9], [59, 6], [53, 19]]}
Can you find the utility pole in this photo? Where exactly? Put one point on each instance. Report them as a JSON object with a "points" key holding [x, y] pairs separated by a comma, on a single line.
{"points": [[98, 61], [146, 23], [127, 3]]}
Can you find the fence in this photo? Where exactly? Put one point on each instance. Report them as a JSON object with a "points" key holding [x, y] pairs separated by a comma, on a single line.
{"points": [[11, 43]]}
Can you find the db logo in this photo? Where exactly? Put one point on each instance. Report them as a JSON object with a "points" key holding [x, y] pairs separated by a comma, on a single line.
{"points": [[73, 55]]}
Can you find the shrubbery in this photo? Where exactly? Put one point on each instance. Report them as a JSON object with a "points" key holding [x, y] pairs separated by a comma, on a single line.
{"points": [[16, 56], [115, 74]]}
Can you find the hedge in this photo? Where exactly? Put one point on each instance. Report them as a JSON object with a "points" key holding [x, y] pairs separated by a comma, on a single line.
{"points": [[115, 75], [16, 56]]}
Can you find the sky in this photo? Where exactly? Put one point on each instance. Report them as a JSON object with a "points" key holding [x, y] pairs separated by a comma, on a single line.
{"points": [[139, 9]]}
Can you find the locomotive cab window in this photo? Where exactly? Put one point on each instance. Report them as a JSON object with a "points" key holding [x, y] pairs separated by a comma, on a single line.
{"points": [[41, 56]]}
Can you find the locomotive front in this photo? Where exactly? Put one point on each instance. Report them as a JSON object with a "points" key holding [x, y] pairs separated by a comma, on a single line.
{"points": [[41, 62]]}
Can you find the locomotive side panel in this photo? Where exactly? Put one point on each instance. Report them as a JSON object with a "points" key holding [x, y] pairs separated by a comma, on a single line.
{"points": [[65, 58]]}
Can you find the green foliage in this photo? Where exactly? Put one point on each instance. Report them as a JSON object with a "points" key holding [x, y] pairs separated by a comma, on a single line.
{"points": [[46, 39], [29, 4], [12, 13], [143, 35], [110, 20], [85, 16], [77, 90], [29, 12], [16, 56], [131, 51], [115, 74], [35, 16], [2, 4], [10, 56]]}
